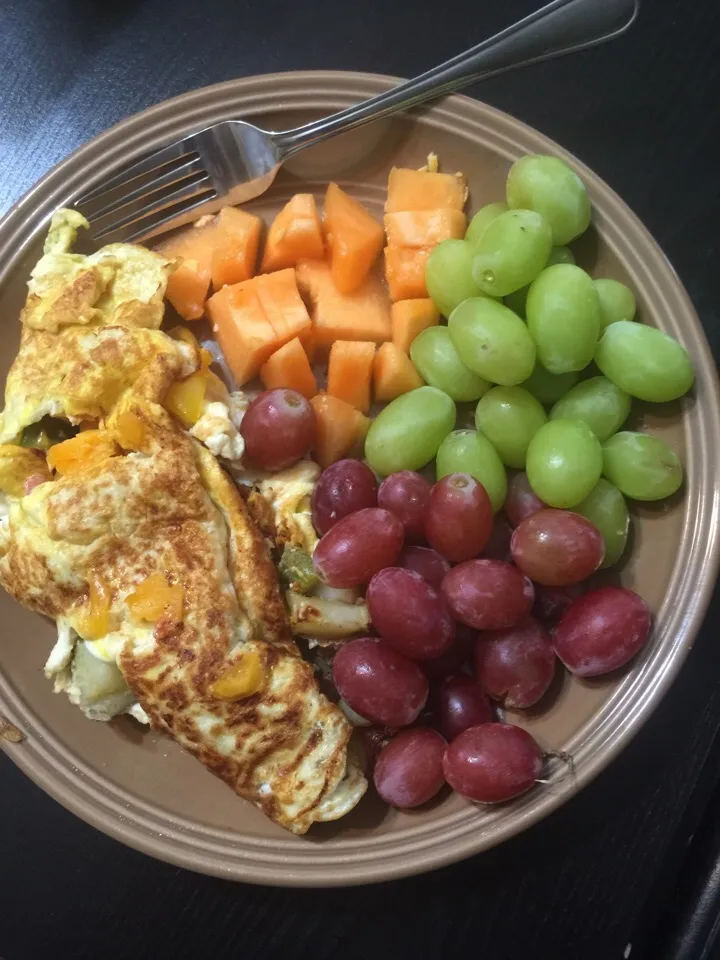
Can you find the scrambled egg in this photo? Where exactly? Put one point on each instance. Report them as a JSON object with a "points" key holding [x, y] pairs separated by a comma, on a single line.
{"points": [[122, 284], [167, 603], [170, 509], [280, 503], [219, 426]]}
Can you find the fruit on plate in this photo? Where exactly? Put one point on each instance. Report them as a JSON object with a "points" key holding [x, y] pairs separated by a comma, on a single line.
{"points": [[295, 234]]}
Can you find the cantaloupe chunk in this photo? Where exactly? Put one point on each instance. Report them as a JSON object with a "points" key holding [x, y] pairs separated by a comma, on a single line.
{"points": [[393, 373], [424, 228], [236, 238], [350, 372], [289, 367], [421, 190], [255, 318], [245, 335], [363, 314], [340, 429], [280, 299], [411, 317], [354, 238], [189, 283], [295, 234], [405, 272]]}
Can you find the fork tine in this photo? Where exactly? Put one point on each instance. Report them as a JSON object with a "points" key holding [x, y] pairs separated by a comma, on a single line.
{"points": [[150, 224], [146, 200], [172, 176], [155, 201], [179, 152]]}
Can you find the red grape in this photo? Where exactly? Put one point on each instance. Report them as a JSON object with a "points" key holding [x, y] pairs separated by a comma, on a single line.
{"points": [[602, 631], [373, 739], [406, 494], [410, 614], [521, 501], [459, 653], [357, 547], [557, 547], [552, 602], [343, 488], [379, 683], [427, 562], [409, 770], [278, 429], [459, 518], [492, 762], [459, 703], [498, 546], [488, 594], [515, 666]]}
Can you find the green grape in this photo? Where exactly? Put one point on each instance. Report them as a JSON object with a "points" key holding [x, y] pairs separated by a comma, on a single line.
{"points": [[603, 406], [564, 462], [406, 433], [548, 387], [492, 341], [644, 362], [642, 467], [549, 186], [438, 363], [560, 255], [448, 275], [465, 451], [617, 302], [510, 417], [513, 249], [563, 316], [606, 509], [517, 300], [481, 219]]}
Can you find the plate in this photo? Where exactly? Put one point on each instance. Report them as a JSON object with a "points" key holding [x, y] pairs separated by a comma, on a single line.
{"points": [[141, 788]]}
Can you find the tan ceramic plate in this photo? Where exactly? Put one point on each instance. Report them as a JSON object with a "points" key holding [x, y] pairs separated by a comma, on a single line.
{"points": [[141, 788]]}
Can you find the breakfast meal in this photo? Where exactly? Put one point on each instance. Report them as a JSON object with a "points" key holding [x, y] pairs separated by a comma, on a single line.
{"points": [[321, 508]]}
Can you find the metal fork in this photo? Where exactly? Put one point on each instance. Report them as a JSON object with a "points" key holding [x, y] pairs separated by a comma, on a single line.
{"points": [[233, 161]]}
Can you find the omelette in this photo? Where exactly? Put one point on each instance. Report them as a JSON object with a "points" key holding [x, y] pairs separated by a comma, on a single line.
{"points": [[134, 539]]}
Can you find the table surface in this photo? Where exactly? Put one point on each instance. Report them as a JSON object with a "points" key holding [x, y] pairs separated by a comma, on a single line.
{"points": [[591, 879]]}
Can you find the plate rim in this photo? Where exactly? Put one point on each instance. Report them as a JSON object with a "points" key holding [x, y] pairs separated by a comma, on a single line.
{"points": [[56, 769]]}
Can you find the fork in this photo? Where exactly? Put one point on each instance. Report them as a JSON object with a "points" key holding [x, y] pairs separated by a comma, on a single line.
{"points": [[233, 161]]}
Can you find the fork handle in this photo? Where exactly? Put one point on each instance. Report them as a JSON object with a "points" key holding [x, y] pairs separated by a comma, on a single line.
{"points": [[563, 26]]}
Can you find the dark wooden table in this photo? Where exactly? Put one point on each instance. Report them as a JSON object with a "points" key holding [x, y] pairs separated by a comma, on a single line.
{"points": [[603, 872]]}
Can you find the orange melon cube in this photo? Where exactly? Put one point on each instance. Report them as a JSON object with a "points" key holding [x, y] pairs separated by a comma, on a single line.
{"points": [[423, 190], [424, 228], [411, 317], [350, 372], [354, 238], [295, 234], [289, 367], [245, 335], [236, 238], [363, 314], [340, 429], [393, 373], [282, 303], [405, 272], [188, 285]]}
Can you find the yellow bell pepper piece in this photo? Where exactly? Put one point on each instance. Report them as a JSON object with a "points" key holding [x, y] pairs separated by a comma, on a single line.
{"points": [[78, 453], [130, 430], [246, 677], [93, 622], [186, 398], [154, 596]]}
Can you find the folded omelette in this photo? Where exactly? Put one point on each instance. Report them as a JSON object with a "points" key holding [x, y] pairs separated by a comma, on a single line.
{"points": [[140, 547]]}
